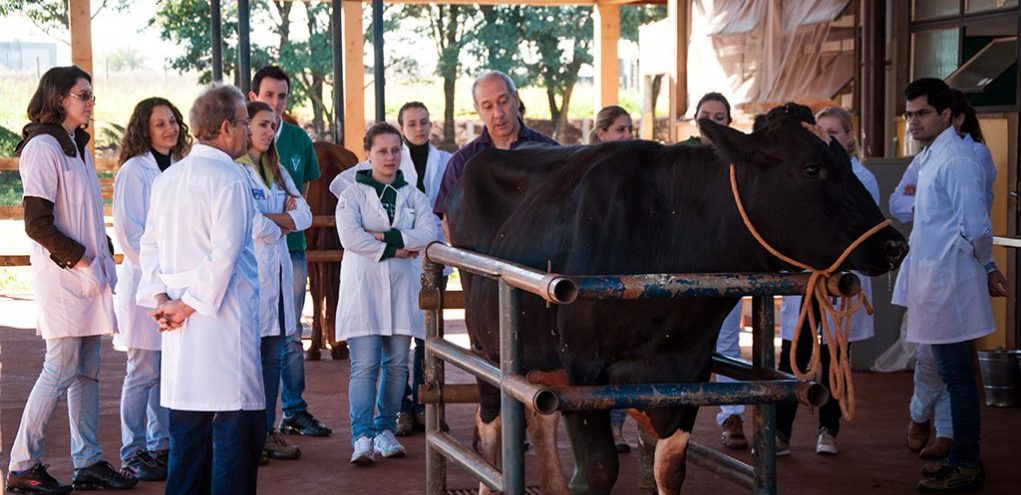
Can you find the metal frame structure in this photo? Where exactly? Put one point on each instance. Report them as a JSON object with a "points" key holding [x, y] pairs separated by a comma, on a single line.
{"points": [[764, 386]]}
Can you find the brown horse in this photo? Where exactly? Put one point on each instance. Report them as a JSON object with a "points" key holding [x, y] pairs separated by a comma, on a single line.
{"points": [[324, 277]]}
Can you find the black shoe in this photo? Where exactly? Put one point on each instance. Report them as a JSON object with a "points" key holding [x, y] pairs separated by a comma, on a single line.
{"points": [[35, 480], [102, 476], [303, 423], [162, 457], [144, 468], [957, 479]]}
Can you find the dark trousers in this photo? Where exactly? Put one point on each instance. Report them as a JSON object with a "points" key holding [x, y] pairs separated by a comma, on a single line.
{"points": [[215, 453], [829, 413], [409, 403], [953, 361]]}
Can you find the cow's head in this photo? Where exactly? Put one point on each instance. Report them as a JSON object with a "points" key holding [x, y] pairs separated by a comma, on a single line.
{"points": [[802, 196]]}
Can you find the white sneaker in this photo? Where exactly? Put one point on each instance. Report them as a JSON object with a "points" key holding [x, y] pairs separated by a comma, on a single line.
{"points": [[783, 447], [363, 454], [387, 445], [827, 444]]}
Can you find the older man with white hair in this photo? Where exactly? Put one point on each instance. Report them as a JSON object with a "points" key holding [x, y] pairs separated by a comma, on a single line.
{"points": [[199, 273]]}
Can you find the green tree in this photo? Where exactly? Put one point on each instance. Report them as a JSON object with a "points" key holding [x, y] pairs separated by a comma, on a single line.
{"points": [[51, 16]]}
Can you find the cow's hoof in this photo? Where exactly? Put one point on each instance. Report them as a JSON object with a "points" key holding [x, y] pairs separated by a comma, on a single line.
{"points": [[339, 352], [313, 354]]}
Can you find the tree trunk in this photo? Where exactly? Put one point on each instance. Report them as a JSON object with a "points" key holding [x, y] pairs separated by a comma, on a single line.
{"points": [[317, 105], [284, 28], [448, 112]]}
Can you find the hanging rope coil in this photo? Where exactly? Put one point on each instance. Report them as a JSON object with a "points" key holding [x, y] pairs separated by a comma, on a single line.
{"points": [[817, 294]]}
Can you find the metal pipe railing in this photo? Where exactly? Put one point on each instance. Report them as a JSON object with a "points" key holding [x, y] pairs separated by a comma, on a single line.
{"points": [[666, 285], [549, 286], [468, 459], [809, 393], [581, 398], [721, 464]]}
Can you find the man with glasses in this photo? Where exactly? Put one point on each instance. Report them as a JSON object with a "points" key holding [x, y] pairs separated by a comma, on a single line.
{"points": [[199, 273], [947, 278]]}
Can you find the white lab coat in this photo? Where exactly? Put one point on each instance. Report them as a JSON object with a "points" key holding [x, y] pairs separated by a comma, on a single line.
{"points": [[197, 247], [131, 191], [271, 252], [381, 297], [902, 206], [862, 323], [74, 302], [943, 282]]}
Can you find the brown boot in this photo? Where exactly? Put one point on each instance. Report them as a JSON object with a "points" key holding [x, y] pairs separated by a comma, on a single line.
{"points": [[918, 435], [939, 449], [733, 433]]}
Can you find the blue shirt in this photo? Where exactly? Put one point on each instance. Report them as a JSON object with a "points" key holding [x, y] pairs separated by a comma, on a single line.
{"points": [[457, 162]]}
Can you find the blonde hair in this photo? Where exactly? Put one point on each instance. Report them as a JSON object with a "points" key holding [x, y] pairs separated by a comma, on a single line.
{"points": [[604, 119], [847, 122]]}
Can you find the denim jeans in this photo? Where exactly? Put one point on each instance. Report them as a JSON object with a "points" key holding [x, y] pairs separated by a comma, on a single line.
{"points": [[270, 350], [215, 453], [383, 359], [954, 364], [143, 420], [729, 344], [292, 361], [409, 402], [71, 365], [930, 398]]}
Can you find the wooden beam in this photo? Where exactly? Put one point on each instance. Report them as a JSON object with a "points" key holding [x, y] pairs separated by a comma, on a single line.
{"points": [[79, 16], [354, 78], [606, 22], [539, 3], [678, 16]]}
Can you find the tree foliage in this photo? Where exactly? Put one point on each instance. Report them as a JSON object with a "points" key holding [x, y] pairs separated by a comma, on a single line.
{"points": [[51, 16]]}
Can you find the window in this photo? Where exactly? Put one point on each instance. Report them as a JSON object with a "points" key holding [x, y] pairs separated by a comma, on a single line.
{"points": [[983, 5], [987, 65], [928, 9], [935, 53]]}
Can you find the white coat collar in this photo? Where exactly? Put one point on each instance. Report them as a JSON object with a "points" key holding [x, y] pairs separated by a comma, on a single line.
{"points": [[200, 150]]}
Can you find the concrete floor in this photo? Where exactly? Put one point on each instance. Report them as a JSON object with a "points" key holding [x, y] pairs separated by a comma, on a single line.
{"points": [[873, 457]]}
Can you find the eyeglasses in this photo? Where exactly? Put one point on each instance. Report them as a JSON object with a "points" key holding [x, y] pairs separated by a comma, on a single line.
{"points": [[84, 96], [920, 113]]}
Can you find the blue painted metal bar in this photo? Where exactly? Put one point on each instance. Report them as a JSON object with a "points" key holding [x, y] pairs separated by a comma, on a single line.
{"points": [[764, 415], [678, 285], [512, 412], [721, 464], [645, 396]]}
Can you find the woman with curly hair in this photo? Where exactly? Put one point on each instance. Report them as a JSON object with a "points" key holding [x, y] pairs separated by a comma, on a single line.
{"points": [[156, 136]]}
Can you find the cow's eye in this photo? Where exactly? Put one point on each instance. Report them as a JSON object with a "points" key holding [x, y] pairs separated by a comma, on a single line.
{"points": [[812, 171]]}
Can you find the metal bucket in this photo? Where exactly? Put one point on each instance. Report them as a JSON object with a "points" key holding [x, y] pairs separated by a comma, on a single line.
{"points": [[999, 377]]}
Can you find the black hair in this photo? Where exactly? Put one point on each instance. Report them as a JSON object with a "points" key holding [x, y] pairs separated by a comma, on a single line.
{"points": [[759, 122], [272, 72], [936, 91], [791, 110], [961, 106], [714, 96], [46, 103]]}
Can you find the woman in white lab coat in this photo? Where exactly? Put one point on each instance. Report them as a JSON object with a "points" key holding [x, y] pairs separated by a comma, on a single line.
{"points": [[383, 222], [281, 210], [840, 126], [155, 138], [73, 275]]}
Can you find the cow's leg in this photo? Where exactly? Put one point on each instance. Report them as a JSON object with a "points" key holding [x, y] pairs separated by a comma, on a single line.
{"points": [[542, 429], [669, 465], [489, 442], [315, 279], [578, 483], [600, 454]]}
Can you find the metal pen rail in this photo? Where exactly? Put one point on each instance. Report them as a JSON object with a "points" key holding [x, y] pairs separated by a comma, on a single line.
{"points": [[764, 386]]}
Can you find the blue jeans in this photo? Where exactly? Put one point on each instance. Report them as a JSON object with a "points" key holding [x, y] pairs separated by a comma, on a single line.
{"points": [[930, 399], [954, 364], [215, 453], [292, 361], [374, 357], [729, 344], [143, 420], [271, 352], [71, 365]]}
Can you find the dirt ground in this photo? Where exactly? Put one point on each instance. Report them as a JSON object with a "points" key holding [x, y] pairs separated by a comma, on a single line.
{"points": [[873, 458]]}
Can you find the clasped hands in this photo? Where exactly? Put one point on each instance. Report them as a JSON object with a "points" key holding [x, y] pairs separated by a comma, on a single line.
{"points": [[401, 252], [170, 315]]}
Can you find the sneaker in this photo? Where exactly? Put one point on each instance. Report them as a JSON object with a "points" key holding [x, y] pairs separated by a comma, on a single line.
{"points": [[35, 480], [162, 457], [303, 423], [918, 435], [618, 440], [827, 443], [278, 448], [936, 469], [733, 433], [102, 476], [956, 479], [405, 424], [387, 445], [783, 447], [363, 453], [938, 450], [143, 467]]}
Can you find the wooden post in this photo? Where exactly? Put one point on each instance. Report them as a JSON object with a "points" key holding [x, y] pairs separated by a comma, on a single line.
{"points": [[354, 78], [678, 17], [606, 23], [873, 78], [80, 20]]}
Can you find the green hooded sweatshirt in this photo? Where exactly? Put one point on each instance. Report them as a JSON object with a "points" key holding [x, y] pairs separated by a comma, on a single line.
{"points": [[387, 194]]}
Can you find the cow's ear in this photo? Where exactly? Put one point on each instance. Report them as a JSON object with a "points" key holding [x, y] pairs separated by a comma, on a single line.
{"points": [[733, 145]]}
